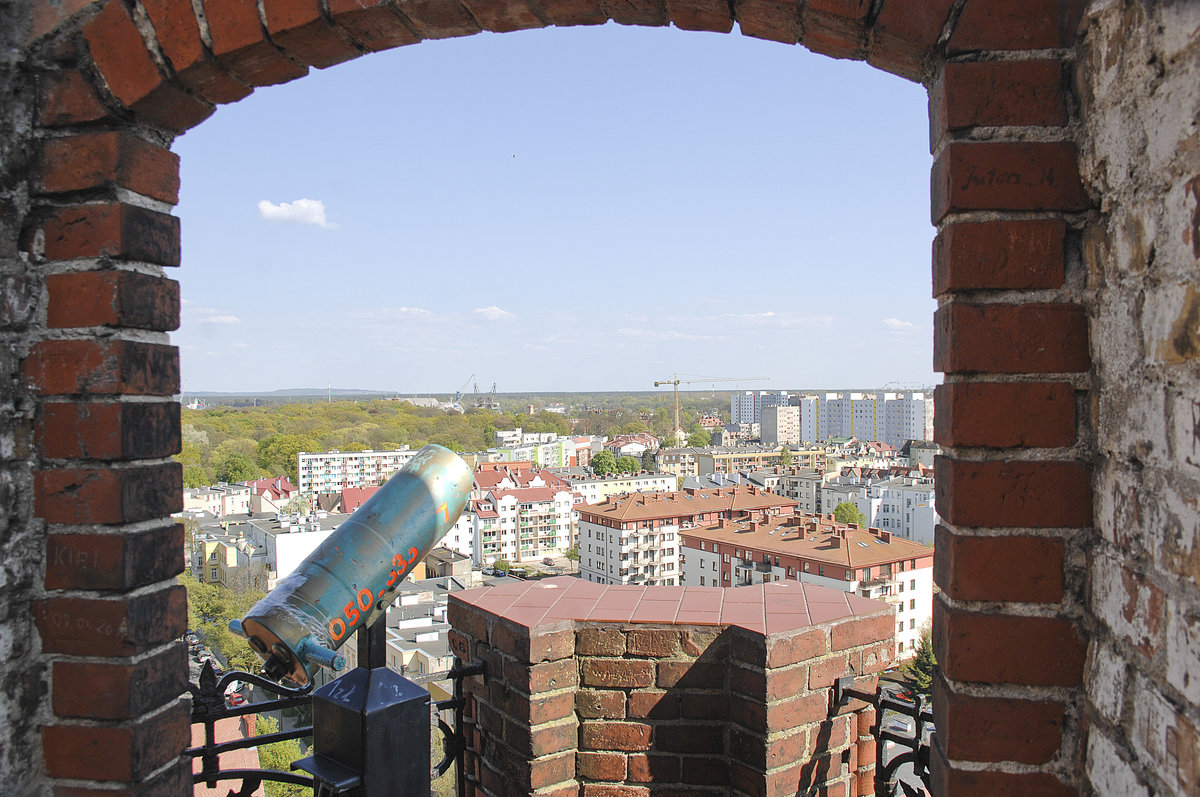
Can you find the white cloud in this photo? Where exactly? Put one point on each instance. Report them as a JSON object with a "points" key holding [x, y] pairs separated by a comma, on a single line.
{"points": [[194, 314], [494, 313], [897, 324], [302, 211]]}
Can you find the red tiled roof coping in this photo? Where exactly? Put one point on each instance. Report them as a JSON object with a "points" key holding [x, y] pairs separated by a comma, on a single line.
{"points": [[767, 608]]}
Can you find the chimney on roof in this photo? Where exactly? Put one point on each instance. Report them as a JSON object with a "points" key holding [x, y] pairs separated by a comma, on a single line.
{"points": [[886, 536], [753, 526], [721, 523], [837, 541]]}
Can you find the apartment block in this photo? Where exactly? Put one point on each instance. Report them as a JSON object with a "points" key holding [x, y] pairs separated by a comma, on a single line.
{"points": [[814, 549], [634, 539], [780, 425], [334, 471], [728, 459]]}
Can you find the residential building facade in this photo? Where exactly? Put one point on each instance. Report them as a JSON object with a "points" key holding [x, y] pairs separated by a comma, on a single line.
{"points": [[634, 539], [814, 549], [333, 471], [780, 425]]}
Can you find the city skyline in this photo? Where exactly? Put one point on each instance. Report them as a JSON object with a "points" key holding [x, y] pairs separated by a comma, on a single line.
{"points": [[573, 209]]}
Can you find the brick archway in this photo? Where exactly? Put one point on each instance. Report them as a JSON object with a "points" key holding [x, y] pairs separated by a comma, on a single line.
{"points": [[116, 81]]}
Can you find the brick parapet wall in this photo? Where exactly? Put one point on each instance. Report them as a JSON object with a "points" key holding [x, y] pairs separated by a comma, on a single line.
{"points": [[578, 707]]}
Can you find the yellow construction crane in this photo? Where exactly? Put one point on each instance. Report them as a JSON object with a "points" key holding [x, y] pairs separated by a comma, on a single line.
{"points": [[676, 380]]}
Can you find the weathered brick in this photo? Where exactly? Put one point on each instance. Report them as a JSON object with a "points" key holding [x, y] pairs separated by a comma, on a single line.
{"points": [[533, 645], [111, 229], [690, 674], [600, 642], [796, 648], [689, 738], [172, 779], [1006, 649], [1005, 414], [103, 627], [549, 770], [178, 34], [117, 690], [240, 43], [775, 20], [132, 75], [904, 35], [501, 16], [70, 367], [613, 790], [299, 28], [657, 643], [373, 24], [999, 93], [113, 561], [1015, 25], [126, 495], [1021, 569], [998, 729], [822, 674], [97, 160], [710, 15], [112, 298], [861, 631], [653, 768], [602, 735], [67, 98], [1009, 254], [602, 766], [990, 783], [1033, 175], [118, 753], [1013, 494], [1030, 338], [600, 703], [616, 673], [437, 19], [836, 28]]}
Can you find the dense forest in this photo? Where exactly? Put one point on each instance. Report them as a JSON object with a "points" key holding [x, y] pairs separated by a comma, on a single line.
{"points": [[231, 444]]}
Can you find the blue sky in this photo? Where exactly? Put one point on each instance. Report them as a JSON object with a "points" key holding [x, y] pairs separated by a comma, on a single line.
{"points": [[585, 208]]}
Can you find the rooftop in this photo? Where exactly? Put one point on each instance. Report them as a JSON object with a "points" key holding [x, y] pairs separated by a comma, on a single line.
{"points": [[767, 608], [815, 537], [644, 506]]}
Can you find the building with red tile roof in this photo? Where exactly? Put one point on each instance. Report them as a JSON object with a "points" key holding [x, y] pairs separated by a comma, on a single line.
{"points": [[633, 539], [815, 549]]}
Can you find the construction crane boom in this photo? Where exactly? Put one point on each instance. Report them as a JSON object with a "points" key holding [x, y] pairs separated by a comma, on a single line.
{"points": [[675, 381]]}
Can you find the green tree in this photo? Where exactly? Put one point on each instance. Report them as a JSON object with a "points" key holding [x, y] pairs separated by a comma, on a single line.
{"points": [[919, 669], [277, 453], [604, 463], [572, 555], [237, 467], [700, 439], [197, 476], [628, 465], [503, 565], [210, 608], [296, 506], [848, 513], [785, 456], [278, 756]]}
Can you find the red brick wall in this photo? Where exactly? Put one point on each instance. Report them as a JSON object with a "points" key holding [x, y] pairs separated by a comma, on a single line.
{"points": [[596, 709], [87, 239]]}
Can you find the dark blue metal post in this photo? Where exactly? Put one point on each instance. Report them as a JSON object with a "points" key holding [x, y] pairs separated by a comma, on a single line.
{"points": [[371, 729]]}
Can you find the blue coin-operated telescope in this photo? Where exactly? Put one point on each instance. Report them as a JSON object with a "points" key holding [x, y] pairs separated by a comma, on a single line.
{"points": [[352, 577]]}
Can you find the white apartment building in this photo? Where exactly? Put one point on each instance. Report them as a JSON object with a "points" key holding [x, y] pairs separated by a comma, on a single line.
{"points": [[520, 525], [889, 417], [516, 437], [747, 407], [803, 486], [334, 471], [634, 539], [594, 489], [780, 425], [902, 505], [558, 452], [815, 550], [907, 508], [219, 500]]}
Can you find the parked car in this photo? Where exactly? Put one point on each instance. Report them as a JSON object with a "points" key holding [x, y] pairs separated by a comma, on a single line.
{"points": [[548, 561], [235, 699]]}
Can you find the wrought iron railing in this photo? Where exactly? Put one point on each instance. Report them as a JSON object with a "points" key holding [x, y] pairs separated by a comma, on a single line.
{"points": [[209, 706], [911, 750]]}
